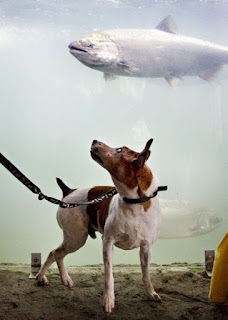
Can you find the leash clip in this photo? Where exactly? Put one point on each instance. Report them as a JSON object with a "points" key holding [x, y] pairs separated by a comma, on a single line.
{"points": [[41, 196]]}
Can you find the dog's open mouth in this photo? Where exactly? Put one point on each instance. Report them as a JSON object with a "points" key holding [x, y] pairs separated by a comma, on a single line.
{"points": [[96, 157]]}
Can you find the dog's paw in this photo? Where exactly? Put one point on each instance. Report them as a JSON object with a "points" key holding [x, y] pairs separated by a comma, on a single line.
{"points": [[154, 296], [42, 280], [67, 281], [108, 303]]}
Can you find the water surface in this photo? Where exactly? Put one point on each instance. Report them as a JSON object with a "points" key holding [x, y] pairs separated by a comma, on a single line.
{"points": [[52, 107]]}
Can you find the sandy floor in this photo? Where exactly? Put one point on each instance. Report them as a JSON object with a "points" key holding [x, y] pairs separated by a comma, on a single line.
{"points": [[183, 290]]}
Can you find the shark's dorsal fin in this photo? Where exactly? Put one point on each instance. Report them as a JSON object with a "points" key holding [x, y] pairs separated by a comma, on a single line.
{"points": [[167, 25]]}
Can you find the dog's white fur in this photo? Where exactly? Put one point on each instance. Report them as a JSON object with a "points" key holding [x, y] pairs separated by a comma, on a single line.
{"points": [[127, 226]]}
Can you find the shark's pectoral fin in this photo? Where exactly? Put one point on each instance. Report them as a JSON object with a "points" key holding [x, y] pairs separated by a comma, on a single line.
{"points": [[172, 80], [210, 74], [167, 25], [126, 67], [109, 76]]}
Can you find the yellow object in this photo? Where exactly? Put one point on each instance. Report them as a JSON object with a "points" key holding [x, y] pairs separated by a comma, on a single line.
{"points": [[219, 279]]}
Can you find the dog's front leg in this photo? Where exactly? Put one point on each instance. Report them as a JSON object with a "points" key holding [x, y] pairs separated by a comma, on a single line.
{"points": [[109, 298], [145, 253]]}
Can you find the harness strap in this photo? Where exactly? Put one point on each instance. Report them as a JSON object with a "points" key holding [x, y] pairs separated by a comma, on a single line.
{"points": [[144, 199]]}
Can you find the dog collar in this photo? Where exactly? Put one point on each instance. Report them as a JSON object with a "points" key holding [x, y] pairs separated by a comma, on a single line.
{"points": [[144, 199]]}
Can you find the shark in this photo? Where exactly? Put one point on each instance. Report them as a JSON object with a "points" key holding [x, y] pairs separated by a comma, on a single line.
{"points": [[150, 53], [184, 219]]}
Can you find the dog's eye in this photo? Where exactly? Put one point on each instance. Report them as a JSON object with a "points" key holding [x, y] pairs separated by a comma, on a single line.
{"points": [[118, 150]]}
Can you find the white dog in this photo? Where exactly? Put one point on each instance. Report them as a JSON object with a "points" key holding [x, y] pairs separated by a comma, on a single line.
{"points": [[128, 220]]}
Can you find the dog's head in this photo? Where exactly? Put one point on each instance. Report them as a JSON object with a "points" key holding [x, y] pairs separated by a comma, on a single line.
{"points": [[124, 164]]}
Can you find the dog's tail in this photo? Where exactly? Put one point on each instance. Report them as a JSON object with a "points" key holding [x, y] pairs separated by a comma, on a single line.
{"points": [[65, 189]]}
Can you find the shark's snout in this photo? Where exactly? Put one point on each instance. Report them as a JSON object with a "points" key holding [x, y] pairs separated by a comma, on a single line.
{"points": [[95, 51], [71, 46], [76, 47]]}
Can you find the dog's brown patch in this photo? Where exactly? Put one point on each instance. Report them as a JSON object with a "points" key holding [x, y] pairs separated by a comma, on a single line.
{"points": [[98, 212], [144, 178], [121, 166], [127, 170]]}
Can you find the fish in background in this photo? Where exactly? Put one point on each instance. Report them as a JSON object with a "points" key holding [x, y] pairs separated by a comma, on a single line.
{"points": [[150, 53], [182, 219]]}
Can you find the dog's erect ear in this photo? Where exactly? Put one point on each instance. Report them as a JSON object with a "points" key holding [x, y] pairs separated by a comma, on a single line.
{"points": [[143, 156]]}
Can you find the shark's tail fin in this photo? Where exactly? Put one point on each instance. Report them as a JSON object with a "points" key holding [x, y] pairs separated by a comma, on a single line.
{"points": [[66, 190]]}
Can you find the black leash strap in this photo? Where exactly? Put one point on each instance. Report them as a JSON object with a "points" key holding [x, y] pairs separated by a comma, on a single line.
{"points": [[65, 205], [144, 199], [18, 174], [32, 187]]}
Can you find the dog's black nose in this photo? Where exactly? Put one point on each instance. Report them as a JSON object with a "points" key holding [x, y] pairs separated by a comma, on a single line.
{"points": [[94, 141]]}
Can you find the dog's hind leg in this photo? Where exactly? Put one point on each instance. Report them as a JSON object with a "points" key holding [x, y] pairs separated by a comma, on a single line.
{"points": [[145, 253], [75, 235], [69, 245], [42, 279], [60, 253]]}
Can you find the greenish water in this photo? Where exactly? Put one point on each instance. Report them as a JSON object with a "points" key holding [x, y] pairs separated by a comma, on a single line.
{"points": [[52, 107]]}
